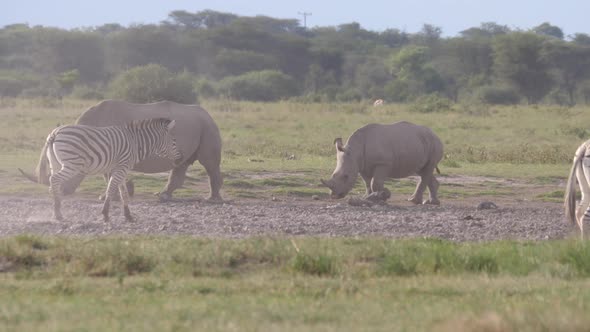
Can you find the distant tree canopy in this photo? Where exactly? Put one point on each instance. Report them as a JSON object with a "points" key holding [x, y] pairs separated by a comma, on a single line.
{"points": [[216, 54]]}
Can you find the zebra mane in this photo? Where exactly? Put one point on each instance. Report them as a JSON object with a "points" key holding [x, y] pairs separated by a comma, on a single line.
{"points": [[164, 122]]}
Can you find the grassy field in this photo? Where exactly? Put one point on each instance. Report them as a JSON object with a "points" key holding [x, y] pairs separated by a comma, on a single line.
{"points": [[285, 148], [163, 284], [186, 284]]}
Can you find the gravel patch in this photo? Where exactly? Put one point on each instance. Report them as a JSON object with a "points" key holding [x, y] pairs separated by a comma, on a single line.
{"points": [[456, 221]]}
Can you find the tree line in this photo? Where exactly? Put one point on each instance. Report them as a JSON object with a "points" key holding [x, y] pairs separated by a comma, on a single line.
{"points": [[220, 55]]}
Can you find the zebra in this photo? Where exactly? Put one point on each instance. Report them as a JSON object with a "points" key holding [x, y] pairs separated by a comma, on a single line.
{"points": [[580, 170], [73, 150]]}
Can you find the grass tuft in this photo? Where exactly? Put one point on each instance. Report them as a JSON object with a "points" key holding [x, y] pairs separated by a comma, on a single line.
{"points": [[319, 264]]}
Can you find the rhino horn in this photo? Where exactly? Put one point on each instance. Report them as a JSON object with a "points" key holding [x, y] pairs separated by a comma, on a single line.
{"points": [[338, 143], [29, 176]]}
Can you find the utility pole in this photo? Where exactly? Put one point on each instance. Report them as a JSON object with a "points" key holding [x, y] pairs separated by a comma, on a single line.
{"points": [[305, 15]]}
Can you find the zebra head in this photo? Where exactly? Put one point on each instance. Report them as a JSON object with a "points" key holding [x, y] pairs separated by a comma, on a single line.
{"points": [[167, 147]]}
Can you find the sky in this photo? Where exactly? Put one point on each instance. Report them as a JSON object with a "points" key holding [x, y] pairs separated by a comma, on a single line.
{"points": [[452, 16]]}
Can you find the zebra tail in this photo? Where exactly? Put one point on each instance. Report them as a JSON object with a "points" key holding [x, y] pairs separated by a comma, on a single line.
{"points": [[570, 190]]}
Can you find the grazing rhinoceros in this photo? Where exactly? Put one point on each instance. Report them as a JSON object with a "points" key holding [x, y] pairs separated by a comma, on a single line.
{"points": [[378, 152], [197, 138]]}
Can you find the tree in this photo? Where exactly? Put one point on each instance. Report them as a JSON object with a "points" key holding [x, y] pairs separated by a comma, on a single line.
{"points": [[581, 39], [57, 51], [428, 35], [485, 30], [410, 66], [546, 29], [150, 83], [518, 60], [206, 19], [571, 63], [266, 85]]}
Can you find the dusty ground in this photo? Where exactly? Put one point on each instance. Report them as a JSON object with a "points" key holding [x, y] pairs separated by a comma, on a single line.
{"points": [[458, 219]]}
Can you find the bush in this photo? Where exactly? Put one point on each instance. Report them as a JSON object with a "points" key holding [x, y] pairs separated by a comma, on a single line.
{"points": [[265, 85], [397, 91], [86, 92], [430, 103], [498, 95], [150, 83], [10, 87], [319, 265], [205, 88]]}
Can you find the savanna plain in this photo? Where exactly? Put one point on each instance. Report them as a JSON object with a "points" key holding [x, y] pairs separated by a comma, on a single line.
{"points": [[279, 254]]}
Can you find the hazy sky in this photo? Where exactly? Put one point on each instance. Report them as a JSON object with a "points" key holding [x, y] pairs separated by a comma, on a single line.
{"points": [[377, 15]]}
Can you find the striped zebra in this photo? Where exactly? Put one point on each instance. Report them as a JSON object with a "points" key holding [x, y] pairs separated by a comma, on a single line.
{"points": [[74, 150], [581, 171]]}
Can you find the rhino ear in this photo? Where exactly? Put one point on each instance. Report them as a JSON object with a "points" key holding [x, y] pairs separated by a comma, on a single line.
{"points": [[338, 143], [171, 125]]}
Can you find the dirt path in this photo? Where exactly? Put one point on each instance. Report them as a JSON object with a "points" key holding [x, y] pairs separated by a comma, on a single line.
{"points": [[454, 220]]}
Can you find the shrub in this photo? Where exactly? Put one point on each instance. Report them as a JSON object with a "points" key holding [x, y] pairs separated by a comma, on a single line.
{"points": [[86, 92], [482, 263], [265, 85], [205, 88], [430, 103], [316, 265], [150, 83], [398, 265], [498, 95], [11, 87]]}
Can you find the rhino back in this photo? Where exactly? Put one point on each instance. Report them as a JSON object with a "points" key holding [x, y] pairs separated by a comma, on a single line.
{"points": [[403, 146], [194, 126]]}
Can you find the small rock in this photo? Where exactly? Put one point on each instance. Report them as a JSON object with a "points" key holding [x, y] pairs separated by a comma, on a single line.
{"points": [[315, 197], [486, 205], [354, 201]]}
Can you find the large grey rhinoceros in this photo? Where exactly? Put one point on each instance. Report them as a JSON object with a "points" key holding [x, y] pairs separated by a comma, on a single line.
{"points": [[197, 138], [379, 151]]}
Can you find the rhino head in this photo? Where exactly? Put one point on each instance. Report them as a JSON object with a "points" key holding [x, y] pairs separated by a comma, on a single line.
{"points": [[346, 172]]}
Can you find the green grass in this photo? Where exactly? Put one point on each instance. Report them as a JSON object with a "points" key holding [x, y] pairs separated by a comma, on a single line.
{"points": [[179, 283], [519, 142]]}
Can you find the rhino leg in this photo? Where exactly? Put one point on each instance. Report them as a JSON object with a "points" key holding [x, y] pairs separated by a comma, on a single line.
{"points": [[433, 190], [416, 197], [175, 181], [378, 183], [215, 180], [426, 179], [367, 179]]}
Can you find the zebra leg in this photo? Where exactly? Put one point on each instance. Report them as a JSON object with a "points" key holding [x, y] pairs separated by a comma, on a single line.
{"points": [[55, 182], [55, 188], [117, 177], [125, 202], [106, 177], [175, 181]]}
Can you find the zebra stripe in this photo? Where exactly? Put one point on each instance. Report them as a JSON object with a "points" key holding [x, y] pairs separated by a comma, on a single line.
{"points": [[78, 149]]}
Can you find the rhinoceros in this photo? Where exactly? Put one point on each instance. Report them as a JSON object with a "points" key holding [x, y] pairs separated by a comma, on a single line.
{"points": [[197, 137], [381, 151]]}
